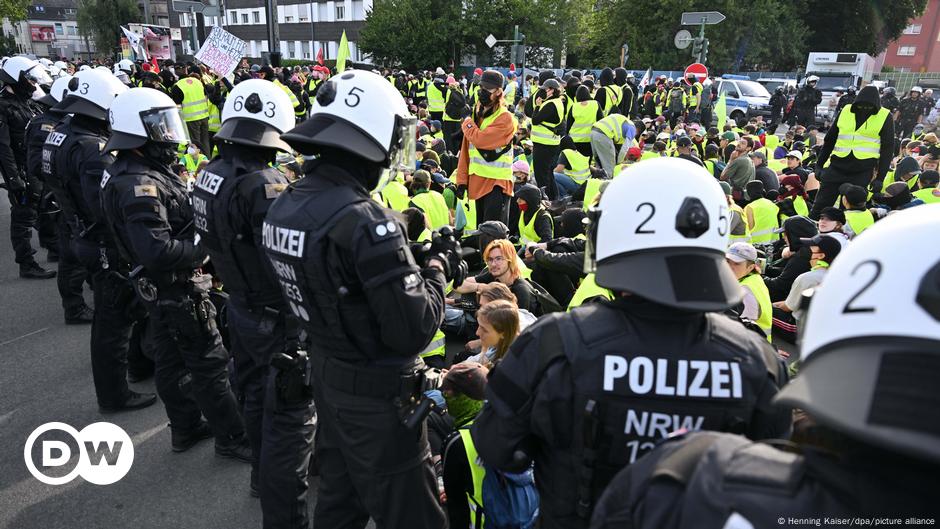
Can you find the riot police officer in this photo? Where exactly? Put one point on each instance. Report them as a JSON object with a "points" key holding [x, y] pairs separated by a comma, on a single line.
{"points": [[806, 100], [73, 165], [71, 274], [367, 306], [910, 112], [230, 199], [589, 392], [147, 209], [867, 445], [889, 100], [20, 77], [848, 98]]}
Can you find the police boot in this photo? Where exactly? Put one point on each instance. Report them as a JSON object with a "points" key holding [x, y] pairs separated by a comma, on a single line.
{"points": [[34, 271], [134, 401], [183, 440], [52, 255], [82, 316], [237, 448]]}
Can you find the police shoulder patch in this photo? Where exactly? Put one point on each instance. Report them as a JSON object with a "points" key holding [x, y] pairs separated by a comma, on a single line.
{"points": [[272, 191], [47, 127], [105, 176], [145, 191], [383, 230]]}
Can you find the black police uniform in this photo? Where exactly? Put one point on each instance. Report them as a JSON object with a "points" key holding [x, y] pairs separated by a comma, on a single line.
{"points": [[709, 480], [230, 199], [910, 110], [73, 165], [588, 393], [147, 209], [806, 100], [71, 274], [23, 189], [346, 272]]}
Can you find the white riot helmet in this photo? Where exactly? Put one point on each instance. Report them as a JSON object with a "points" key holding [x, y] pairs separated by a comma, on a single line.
{"points": [[870, 350], [142, 115], [45, 62], [363, 114], [917, 89], [60, 87], [126, 64], [84, 67], [62, 65], [812, 79], [660, 232], [91, 93], [256, 113], [18, 70]]}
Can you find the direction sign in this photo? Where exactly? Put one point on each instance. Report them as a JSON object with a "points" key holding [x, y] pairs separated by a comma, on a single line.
{"points": [[490, 40], [185, 6], [694, 18], [699, 69], [683, 39]]}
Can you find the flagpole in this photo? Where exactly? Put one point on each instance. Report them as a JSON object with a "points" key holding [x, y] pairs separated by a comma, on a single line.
{"points": [[313, 39]]}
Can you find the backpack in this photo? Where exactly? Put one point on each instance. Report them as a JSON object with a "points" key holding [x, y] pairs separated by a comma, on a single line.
{"points": [[544, 302], [718, 166], [511, 500], [675, 101]]}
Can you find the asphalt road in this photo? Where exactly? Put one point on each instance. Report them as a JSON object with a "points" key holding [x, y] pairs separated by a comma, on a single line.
{"points": [[45, 376]]}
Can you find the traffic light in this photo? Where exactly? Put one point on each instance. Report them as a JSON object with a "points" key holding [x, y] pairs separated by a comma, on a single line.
{"points": [[697, 46], [704, 56]]}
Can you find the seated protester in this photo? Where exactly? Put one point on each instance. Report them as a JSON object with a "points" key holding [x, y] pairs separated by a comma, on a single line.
{"points": [[520, 173], [765, 174], [558, 265], [489, 293], [573, 168], [684, 150], [927, 187], [792, 199], [756, 307], [535, 223], [502, 266], [760, 213], [907, 170], [795, 166], [497, 328], [831, 222], [416, 222], [430, 202], [784, 148], [931, 162], [896, 197], [713, 164], [788, 313], [796, 255]]}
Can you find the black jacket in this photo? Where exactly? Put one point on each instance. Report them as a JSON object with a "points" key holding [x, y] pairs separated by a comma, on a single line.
{"points": [[850, 164]]}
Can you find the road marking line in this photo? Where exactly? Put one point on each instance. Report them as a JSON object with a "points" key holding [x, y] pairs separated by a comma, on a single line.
{"points": [[27, 335]]}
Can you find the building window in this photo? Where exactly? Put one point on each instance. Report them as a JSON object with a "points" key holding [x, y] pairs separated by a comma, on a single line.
{"points": [[340, 12], [913, 29], [58, 29], [288, 19], [256, 15], [907, 51], [244, 18], [325, 46], [184, 20], [73, 30], [70, 11], [232, 17]]}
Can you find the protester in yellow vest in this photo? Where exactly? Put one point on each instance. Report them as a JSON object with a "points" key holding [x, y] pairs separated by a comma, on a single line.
{"points": [[535, 224], [742, 259], [761, 214], [429, 201], [857, 216], [484, 167], [792, 198], [611, 137], [509, 97], [927, 187], [788, 313], [547, 116], [582, 116], [193, 159], [573, 169], [858, 148], [190, 94]]}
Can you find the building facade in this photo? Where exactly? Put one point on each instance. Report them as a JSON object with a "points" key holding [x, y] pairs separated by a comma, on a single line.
{"points": [[918, 48], [50, 30]]}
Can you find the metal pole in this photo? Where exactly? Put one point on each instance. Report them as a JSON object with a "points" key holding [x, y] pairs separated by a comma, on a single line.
{"points": [[313, 38], [701, 36]]}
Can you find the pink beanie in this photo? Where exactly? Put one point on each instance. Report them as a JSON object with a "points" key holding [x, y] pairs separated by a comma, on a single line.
{"points": [[520, 166], [450, 80]]}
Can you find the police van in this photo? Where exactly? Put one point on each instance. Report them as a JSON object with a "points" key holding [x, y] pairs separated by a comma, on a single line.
{"points": [[743, 98]]}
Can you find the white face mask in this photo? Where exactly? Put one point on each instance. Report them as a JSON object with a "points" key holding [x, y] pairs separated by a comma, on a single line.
{"points": [[191, 151]]}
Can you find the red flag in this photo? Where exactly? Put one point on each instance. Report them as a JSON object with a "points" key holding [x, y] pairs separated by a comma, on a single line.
{"points": [[153, 65], [320, 56], [512, 67]]}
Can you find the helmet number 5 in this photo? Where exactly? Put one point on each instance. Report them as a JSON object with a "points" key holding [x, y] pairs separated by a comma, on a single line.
{"points": [[353, 93], [724, 223]]}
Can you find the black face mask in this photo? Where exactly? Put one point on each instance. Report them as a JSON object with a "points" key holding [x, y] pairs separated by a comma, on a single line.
{"points": [[485, 96], [163, 154], [24, 88]]}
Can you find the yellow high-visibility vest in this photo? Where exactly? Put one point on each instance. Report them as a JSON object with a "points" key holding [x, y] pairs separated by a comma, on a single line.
{"points": [[862, 143], [499, 169], [585, 116], [434, 206], [435, 99], [755, 283], [544, 133], [195, 105], [765, 220], [580, 165]]}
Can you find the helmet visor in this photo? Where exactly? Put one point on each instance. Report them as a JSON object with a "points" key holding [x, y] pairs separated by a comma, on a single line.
{"points": [[38, 75], [164, 125], [401, 154]]}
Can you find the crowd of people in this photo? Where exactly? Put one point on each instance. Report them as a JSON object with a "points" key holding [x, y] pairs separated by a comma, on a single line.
{"points": [[461, 299]]}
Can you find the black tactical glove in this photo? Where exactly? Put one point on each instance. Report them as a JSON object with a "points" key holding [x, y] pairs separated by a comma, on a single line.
{"points": [[446, 249], [461, 191]]}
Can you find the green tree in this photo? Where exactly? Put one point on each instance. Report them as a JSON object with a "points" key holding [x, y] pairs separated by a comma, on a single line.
{"points": [[412, 33], [102, 20], [13, 9], [865, 27]]}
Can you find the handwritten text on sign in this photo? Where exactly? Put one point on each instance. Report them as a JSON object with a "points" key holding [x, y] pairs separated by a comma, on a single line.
{"points": [[222, 51]]}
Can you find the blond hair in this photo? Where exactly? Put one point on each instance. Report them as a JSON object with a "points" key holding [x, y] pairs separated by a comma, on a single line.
{"points": [[503, 317]]}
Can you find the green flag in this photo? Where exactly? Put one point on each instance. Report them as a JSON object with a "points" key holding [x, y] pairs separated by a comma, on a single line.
{"points": [[721, 112], [342, 54]]}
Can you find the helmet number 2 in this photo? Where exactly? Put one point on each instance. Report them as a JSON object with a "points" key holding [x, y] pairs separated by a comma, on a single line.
{"points": [[353, 93], [849, 308], [639, 229]]}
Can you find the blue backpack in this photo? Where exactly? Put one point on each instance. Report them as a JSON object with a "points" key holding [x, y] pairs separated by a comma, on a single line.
{"points": [[511, 500]]}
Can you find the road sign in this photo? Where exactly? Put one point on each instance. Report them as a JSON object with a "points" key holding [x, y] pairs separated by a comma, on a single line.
{"points": [[490, 40], [694, 18], [185, 6], [699, 69], [682, 39]]}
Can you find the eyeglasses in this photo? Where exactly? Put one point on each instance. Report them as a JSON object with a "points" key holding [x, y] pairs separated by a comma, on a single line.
{"points": [[495, 259]]}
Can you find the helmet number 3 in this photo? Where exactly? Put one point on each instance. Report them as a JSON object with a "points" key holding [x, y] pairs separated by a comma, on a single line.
{"points": [[352, 98], [83, 89]]}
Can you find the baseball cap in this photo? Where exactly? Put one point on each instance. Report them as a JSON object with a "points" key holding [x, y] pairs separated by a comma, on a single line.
{"points": [[422, 177], [758, 154], [856, 195], [907, 165], [491, 79], [729, 135], [634, 153], [795, 154], [741, 252], [828, 246], [726, 187], [684, 141], [833, 213]]}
